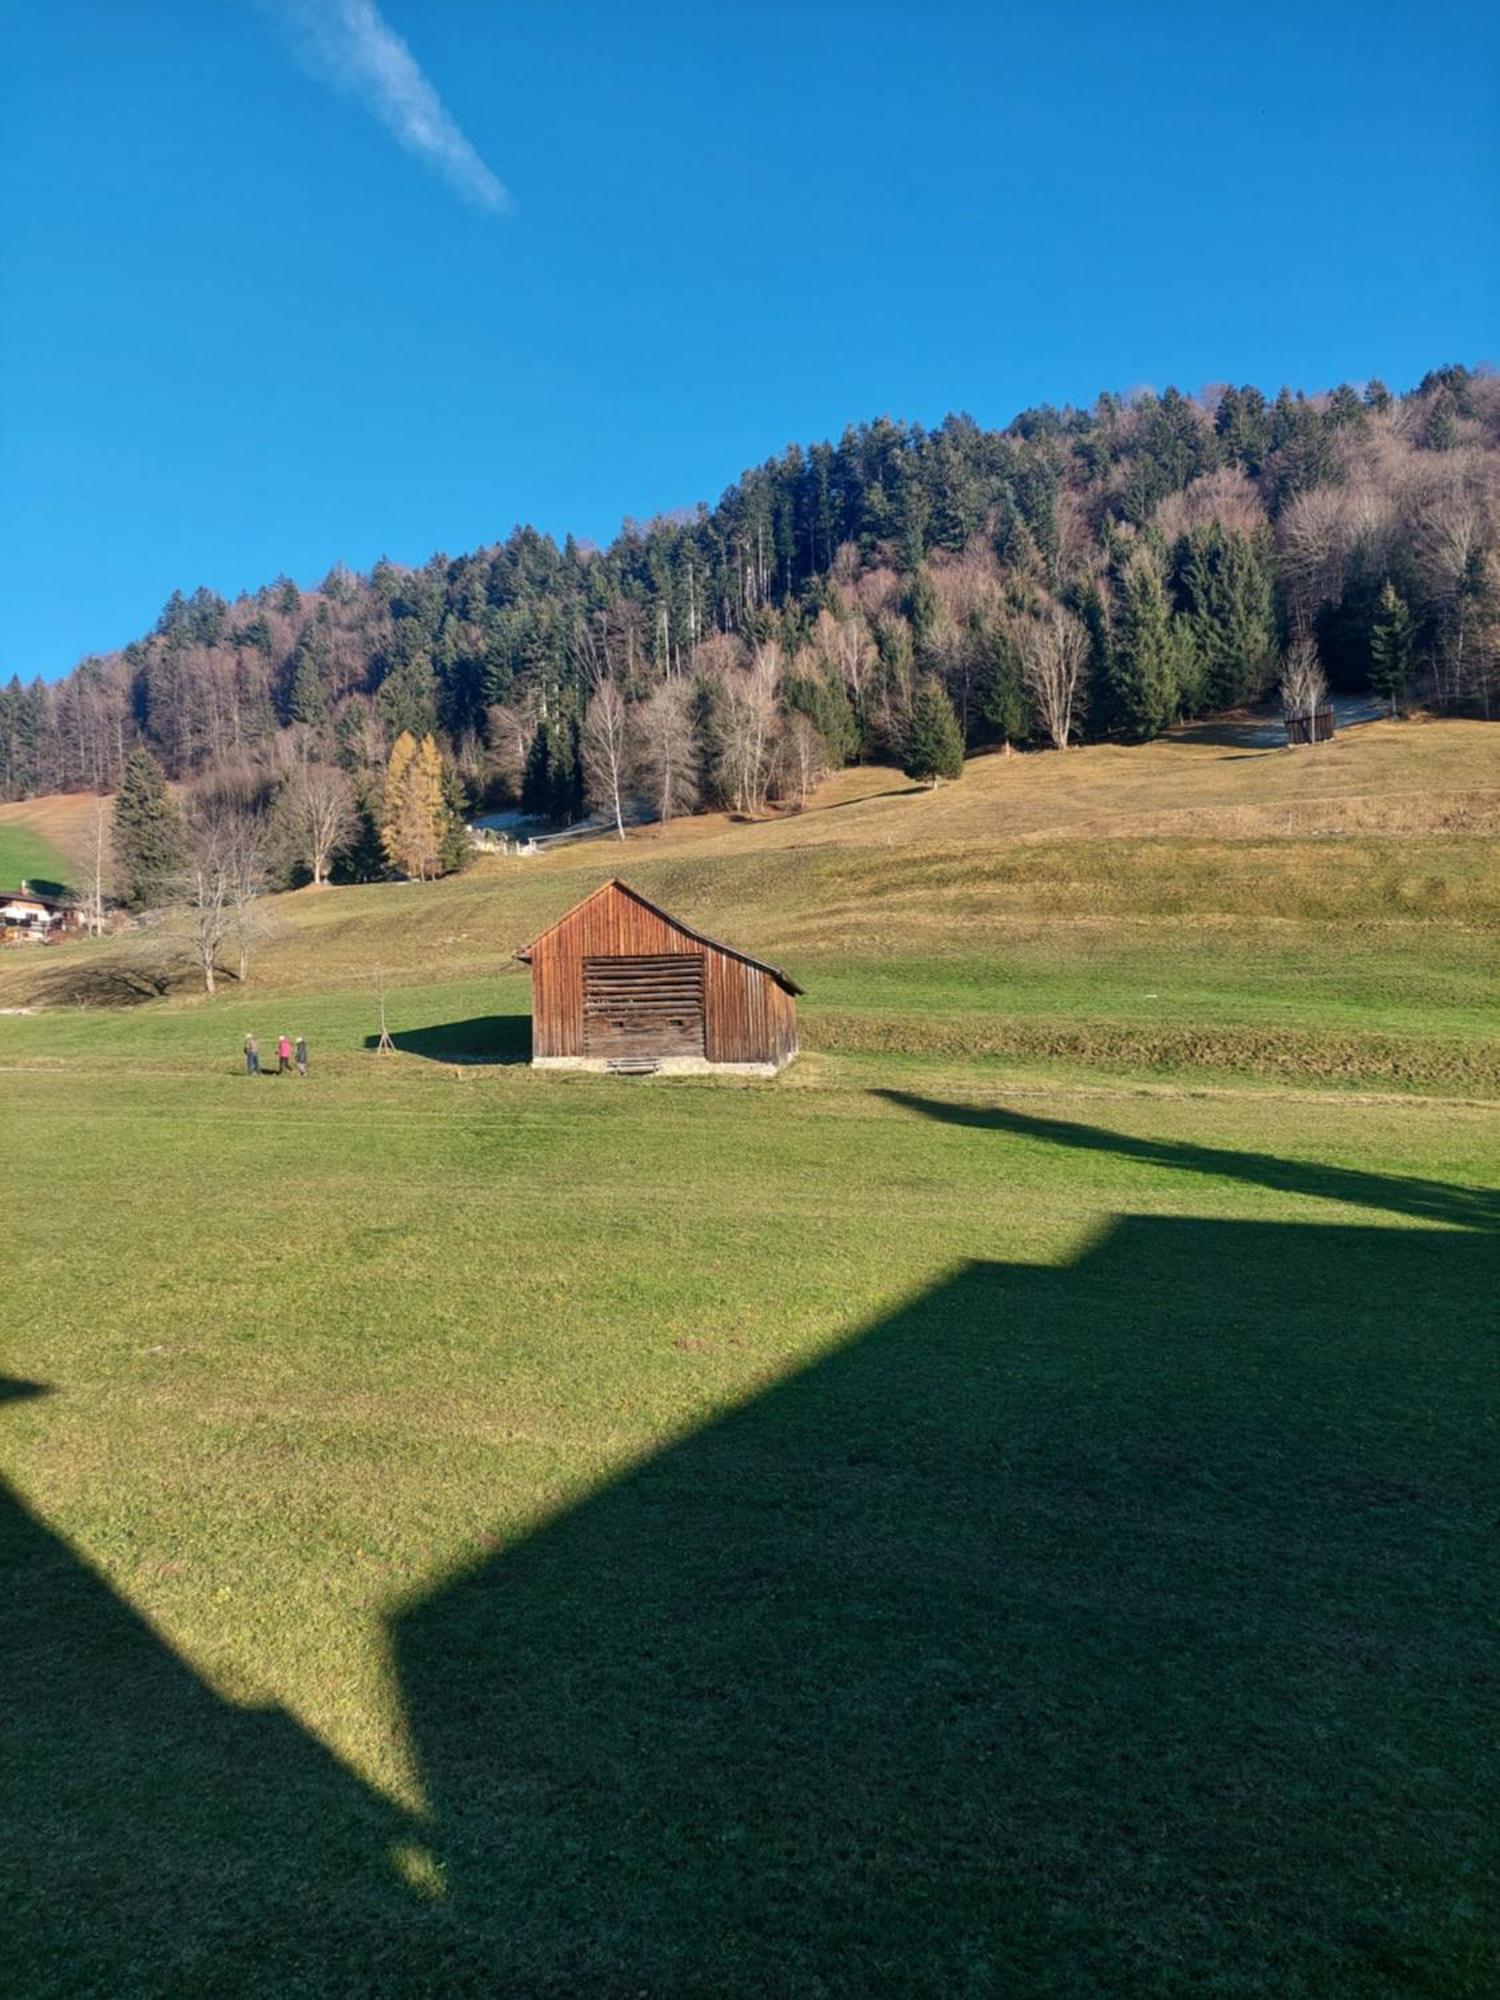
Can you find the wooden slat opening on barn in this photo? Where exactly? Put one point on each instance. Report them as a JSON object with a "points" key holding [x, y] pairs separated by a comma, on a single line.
{"points": [[617, 980]]}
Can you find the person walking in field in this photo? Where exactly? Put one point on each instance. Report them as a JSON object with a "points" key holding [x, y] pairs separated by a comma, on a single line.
{"points": [[252, 1056], [301, 1055], [283, 1056]]}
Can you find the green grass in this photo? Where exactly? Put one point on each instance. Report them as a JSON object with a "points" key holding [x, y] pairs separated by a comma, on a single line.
{"points": [[1005, 1508], [882, 1532], [27, 856]]}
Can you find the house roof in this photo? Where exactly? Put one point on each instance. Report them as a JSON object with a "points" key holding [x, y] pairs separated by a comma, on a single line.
{"points": [[700, 937], [24, 895]]}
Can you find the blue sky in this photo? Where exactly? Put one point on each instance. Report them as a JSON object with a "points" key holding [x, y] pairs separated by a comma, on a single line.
{"points": [[244, 329]]}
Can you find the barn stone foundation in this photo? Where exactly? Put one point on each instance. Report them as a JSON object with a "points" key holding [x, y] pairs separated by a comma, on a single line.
{"points": [[667, 1065]]}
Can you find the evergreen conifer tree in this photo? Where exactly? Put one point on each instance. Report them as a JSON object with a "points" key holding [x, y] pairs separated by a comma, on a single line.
{"points": [[1144, 667], [825, 703], [1393, 642], [408, 698], [1223, 589], [1442, 423], [453, 850], [1003, 700], [150, 842], [934, 749], [536, 780], [922, 605], [1099, 686], [305, 700], [564, 770], [364, 859]]}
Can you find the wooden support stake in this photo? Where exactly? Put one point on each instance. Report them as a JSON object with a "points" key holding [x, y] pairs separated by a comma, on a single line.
{"points": [[385, 1046]]}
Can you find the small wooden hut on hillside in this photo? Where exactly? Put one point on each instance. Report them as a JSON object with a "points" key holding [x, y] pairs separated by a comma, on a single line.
{"points": [[618, 984]]}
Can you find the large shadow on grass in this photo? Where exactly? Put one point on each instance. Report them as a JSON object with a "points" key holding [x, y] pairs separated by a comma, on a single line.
{"points": [[130, 979], [154, 1837], [487, 1038], [1118, 1628], [1113, 1629], [1427, 1200]]}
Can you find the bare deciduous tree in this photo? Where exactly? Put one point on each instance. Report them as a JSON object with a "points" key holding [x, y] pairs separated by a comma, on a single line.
{"points": [[801, 760], [1054, 648], [314, 816], [748, 730], [207, 894], [247, 873], [93, 895], [1303, 688], [846, 645], [1450, 542], [1314, 548], [366, 740], [608, 752], [508, 732], [670, 749]]}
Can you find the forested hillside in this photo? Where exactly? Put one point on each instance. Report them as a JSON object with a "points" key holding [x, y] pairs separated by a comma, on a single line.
{"points": [[1077, 575]]}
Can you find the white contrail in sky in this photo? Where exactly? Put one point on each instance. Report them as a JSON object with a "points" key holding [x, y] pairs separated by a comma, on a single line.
{"points": [[352, 46]]}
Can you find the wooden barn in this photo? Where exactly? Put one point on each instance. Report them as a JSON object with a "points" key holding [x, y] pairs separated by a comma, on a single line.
{"points": [[618, 984]]}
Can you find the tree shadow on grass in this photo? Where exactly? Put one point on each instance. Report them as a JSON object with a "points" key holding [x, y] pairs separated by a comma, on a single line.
{"points": [[1426, 1200], [124, 980], [44, 885], [1116, 1628], [1244, 732], [486, 1039], [864, 798]]}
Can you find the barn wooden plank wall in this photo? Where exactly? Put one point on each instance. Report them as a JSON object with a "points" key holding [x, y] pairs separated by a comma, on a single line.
{"points": [[644, 1004], [749, 1017]]}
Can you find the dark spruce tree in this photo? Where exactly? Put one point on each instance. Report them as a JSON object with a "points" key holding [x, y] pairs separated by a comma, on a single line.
{"points": [[408, 698], [1004, 705], [305, 700], [1099, 686], [933, 749], [565, 769], [825, 703], [454, 852], [536, 779], [1144, 667], [363, 860], [1222, 585], [552, 786], [1393, 647], [149, 840]]}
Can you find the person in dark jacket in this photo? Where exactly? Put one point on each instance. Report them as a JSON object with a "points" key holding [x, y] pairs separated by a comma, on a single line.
{"points": [[252, 1056], [300, 1055]]}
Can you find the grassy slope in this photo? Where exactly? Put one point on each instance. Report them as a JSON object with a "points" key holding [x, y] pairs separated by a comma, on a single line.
{"points": [[1192, 907], [945, 1522], [26, 855]]}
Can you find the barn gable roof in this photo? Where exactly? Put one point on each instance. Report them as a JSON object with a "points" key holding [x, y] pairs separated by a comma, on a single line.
{"points": [[788, 984]]}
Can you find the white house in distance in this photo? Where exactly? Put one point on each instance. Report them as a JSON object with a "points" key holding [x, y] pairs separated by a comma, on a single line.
{"points": [[28, 917]]}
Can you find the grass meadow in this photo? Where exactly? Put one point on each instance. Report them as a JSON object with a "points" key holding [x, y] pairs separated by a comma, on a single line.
{"points": [[27, 855], [1005, 1508]]}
